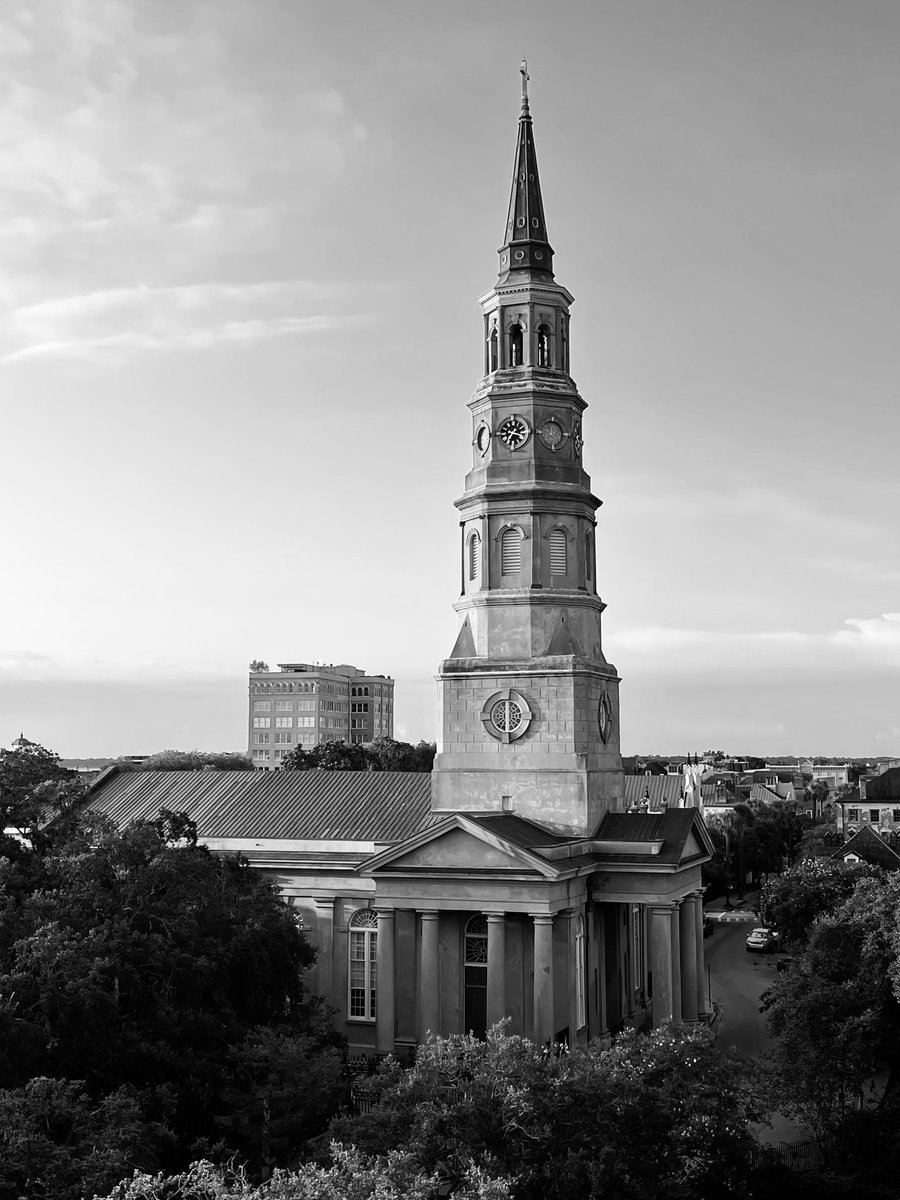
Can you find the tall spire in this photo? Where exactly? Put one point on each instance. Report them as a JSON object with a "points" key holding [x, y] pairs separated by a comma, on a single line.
{"points": [[526, 248]]}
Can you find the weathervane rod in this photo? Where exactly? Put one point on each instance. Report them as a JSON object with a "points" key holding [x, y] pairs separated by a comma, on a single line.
{"points": [[523, 70]]}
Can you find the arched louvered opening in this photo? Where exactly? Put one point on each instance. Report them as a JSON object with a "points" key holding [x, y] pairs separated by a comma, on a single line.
{"points": [[511, 552], [558, 552], [543, 346], [493, 350], [588, 557], [516, 342], [474, 556]]}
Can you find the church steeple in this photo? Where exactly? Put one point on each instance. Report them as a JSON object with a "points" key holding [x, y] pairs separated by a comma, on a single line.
{"points": [[529, 703], [525, 248]]}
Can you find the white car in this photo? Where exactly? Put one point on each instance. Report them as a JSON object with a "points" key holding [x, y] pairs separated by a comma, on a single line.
{"points": [[763, 940]]}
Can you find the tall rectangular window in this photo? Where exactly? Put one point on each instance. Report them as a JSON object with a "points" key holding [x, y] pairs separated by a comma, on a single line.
{"points": [[363, 953]]}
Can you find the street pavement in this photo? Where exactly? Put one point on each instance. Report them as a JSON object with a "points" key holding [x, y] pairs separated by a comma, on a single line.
{"points": [[738, 978]]}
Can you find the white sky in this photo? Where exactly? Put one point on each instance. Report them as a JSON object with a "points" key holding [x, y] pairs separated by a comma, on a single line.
{"points": [[241, 247]]}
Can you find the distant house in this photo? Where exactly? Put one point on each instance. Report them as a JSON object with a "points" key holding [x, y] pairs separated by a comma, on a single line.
{"points": [[875, 803], [868, 846], [656, 791]]}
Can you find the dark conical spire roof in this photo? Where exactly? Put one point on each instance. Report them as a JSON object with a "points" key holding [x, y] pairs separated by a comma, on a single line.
{"points": [[526, 247]]}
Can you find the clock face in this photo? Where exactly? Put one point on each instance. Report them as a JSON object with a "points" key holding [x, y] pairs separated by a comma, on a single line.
{"points": [[514, 432], [483, 439]]}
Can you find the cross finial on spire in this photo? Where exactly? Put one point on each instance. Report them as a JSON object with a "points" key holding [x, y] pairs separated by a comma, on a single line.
{"points": [[523, 71]]}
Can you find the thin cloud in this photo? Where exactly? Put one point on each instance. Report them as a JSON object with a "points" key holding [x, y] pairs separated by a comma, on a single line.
{"points": [[115, 347], [875, 639]]}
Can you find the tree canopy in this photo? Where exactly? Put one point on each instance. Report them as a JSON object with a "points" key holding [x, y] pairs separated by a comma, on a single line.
{"points": [[150, 1004], [795, 900], [659, 1115], [382, 754], [836, 1012]]}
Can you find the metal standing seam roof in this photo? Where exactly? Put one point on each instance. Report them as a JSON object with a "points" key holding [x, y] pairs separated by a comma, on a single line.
{"points": [[664, 789], [376, 806]]}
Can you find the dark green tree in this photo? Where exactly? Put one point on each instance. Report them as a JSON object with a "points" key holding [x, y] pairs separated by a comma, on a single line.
{"points": [[136, 959], [807, 891], [657, 1116], [194, 760], [836, 1013], [34, 790]]}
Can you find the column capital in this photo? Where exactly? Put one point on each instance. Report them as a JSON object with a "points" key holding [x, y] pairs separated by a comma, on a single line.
{"points": [[542, 918], [429, 914], [384, 911], [664, 906], [324, 902], [493, 917]]}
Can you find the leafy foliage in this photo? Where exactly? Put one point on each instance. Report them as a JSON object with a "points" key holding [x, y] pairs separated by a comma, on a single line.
{"points": [[146, 984], [836, 1012], [661, 1115], [350, 1176], [34, 788], [192, 760], [793, 902], [382, 754]]}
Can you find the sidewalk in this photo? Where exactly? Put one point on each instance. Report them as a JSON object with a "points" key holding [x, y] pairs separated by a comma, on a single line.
{"points": [[738, 911]]}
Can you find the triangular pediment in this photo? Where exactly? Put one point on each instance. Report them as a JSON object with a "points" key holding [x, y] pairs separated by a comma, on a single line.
{"points": [[456, 845], [692, 846]]}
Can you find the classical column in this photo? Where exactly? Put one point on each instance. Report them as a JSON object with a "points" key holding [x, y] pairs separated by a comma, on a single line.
{"points": [[676, 961], [597, 973], [325, 940], [429, 981], [571, 927], [703, 1009], [688, 933], [496, 967], [384, 982], [543, 977], [661, 952]]}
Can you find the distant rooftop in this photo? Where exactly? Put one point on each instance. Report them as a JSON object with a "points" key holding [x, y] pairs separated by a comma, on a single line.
{"points": [[342, 669]]}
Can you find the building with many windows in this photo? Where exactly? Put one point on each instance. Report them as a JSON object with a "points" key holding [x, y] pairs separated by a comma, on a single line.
{"points": [[512, 882], [301, 704]]}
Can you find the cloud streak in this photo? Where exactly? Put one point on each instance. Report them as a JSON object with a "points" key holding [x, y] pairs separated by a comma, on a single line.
{"points": [[108, 325], [874, 641]]}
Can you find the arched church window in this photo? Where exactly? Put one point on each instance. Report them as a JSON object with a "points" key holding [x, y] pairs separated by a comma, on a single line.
{"points": [[543, 346], [493, 351], [475, 957], [580, 991], [564, 358], [474, 556], [588, 556], [516, 342], [558, 552], [363, 952], [511, 551]]}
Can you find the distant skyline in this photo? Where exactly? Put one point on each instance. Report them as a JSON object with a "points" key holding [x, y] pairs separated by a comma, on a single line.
{"points": [[240, 254]]}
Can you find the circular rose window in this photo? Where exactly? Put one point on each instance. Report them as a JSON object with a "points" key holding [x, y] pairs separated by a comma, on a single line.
{"points": [[506, 715]]}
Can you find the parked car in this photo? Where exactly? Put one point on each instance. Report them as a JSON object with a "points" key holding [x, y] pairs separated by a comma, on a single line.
{"points": [[763, 940]]}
